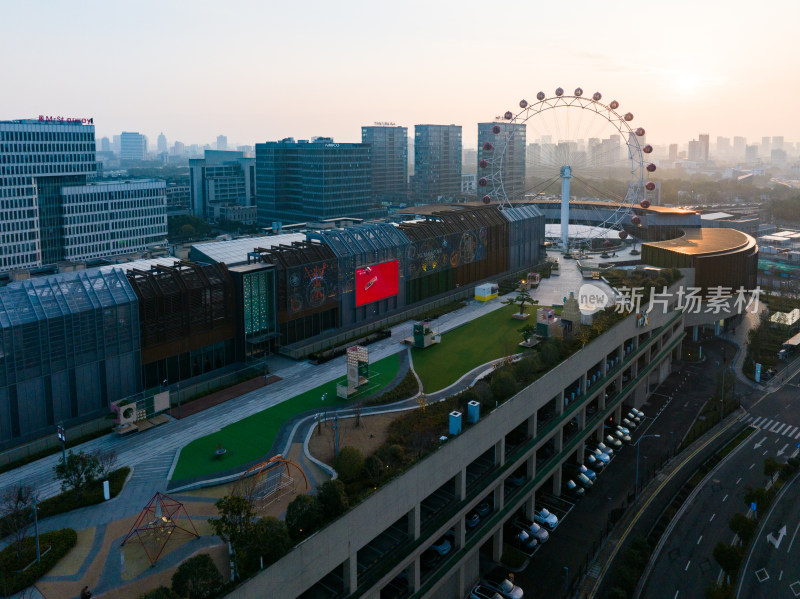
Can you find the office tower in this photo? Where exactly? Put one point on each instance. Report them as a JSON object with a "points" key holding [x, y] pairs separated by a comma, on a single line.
{"points": [[739, 146], [751, 154], [50, 211], [105, 145], [508, 146], [469, 161], [777, 157], [116, 144], [222, 143], [695, 151], [162, 143], [178, 148], [704, 139], [766, 146], [673, 152], [534, 153], [437, 163], [179, 199], [312, 181], [133, 146], [389, 160], [723, 146], [777, 142], [221, 178], [108, 218]]}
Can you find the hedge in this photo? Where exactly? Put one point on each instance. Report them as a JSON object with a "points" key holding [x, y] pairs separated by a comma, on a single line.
{"points": [[13, 579], [406, 388], [92, 494]]}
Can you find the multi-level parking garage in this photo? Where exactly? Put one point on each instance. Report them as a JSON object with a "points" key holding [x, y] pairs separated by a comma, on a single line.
{"points": [[381, 546]]}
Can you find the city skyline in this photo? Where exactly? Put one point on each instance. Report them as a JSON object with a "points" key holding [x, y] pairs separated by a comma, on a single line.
{"points": [[328, 70]]}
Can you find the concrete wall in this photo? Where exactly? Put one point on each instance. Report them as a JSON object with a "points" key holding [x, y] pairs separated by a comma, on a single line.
{"points": [[336, 546]]}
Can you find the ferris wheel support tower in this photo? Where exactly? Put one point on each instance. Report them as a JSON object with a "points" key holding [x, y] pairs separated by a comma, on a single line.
{"points": [[566, 175]]}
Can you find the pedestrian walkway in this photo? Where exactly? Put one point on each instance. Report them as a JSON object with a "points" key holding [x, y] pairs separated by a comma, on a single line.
{"points": [[774, 426]]}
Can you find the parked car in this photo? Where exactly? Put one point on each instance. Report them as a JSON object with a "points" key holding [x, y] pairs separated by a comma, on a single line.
{"points": [[525, 541], [591, 474], [613, 441], [472, 520], [599, 457], [629, 423], [623, 429], [604, 448], [639, 413], [482, 592], [530, 526], [545, 518], [503, 586], [484, 508], [635, 417], [516, 480], [573, 490], [442, 546], [621, 436]]}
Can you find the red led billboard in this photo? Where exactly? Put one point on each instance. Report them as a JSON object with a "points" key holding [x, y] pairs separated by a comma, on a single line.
{"points": [[376, 282]]}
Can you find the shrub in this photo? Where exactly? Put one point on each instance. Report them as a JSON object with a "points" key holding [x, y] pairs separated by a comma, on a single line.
{"points": [[373, 470], [719, 591], [92, 494], [235, 519], [791, 466], [728, 557], [303, 517], [13, 579], [332, 499], [80, 470], [503, 385], [349, 463], [743, 526], [771, 466], [197, 578], [408, 387], [268, 539]]}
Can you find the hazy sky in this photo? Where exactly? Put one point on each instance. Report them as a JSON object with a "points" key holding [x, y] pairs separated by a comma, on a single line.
{"points": [[263, 70]]}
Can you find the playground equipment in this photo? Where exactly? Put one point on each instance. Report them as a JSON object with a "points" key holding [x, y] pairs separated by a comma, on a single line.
{"points": [[157, 524], [269, 481]]}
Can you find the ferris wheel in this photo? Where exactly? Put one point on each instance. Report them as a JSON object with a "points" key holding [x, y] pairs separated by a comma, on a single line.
{"points": [[583, 146]]}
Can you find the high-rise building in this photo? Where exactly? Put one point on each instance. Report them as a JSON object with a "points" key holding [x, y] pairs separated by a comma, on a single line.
{"points": [[133, 146], [437, 162], [723, 146], [777, 142], [695, 151], [739, 146], [111, 219], [389, 160], [777, 157], [50, 212], [178, 148], [469, 161], [221, 178], [105, 145], [162, 143], [751, 154], [313, 180], [222, 143], [704, 143], [673, 152], [766, 146], [505, 142]]}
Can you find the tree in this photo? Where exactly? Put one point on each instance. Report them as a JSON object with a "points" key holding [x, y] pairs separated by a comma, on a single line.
{"points": [[349, 463], [235, 518], [80, 470], [503, 385], [527, 332], [743, 526], [332, 499], [303, 516], [187, 231], [197, 578], [373, 470], [16, 514], [106, 460], [268, 540], [160, 593], [728, 557], [522, 298]]}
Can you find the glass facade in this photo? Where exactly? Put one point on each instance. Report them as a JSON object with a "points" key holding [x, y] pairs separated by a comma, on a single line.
{"points": [[437, 163], [389, 158], [69, 345], [507, 146]]}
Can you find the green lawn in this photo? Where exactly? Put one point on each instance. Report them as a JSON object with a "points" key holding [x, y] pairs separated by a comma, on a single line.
{"points": [[251, 438], [484, 339]]}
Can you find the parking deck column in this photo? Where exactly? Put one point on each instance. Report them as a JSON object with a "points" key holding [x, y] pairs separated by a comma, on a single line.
{"points": [[461, 484], [350, 573], [500, 452], [414, 522], [497, 545], [557, 482]]}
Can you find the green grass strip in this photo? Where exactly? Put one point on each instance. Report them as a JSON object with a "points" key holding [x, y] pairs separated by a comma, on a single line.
{"points": [[252, 437]]}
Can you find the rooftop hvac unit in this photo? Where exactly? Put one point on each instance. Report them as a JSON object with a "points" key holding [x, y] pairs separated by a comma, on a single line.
{"points": [[473, 412], [455, 423]]}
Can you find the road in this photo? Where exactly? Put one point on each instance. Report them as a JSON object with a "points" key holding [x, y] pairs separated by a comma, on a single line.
{"points": [[685, 565], [772, 567], [670, 412]]}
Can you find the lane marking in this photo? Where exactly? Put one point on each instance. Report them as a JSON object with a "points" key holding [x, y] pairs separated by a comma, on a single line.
{"points": [[724, 498], [676, 595], [789, 433], [751, 466], [738, 480], [712, 517], [797, 436], [701, 538], [793, 536], [767, 425], [780, 430], [687, 565], [766, 451], [758, 420]]}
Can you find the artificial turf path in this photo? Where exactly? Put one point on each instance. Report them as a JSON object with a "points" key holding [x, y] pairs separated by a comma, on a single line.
{"points": [[251, 438], [477, 342]]}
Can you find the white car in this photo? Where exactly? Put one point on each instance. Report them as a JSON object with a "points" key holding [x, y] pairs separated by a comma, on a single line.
{"points": [[591, 474], [605, 448], [629, 423], [625, 430], [481, 592], [545, 518], [613, 441], [534, 529], [504, 586], [621, 436], [634, 417], [639, 413]]}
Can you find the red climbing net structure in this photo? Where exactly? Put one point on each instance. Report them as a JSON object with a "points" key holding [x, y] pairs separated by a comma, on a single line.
{"points": [[159, 521]]}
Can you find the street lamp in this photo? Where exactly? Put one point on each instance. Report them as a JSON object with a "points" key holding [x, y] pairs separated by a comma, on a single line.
{"points": [[636, 490]]}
